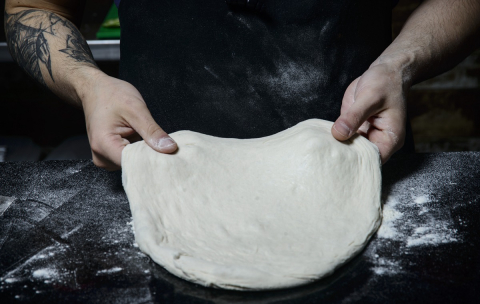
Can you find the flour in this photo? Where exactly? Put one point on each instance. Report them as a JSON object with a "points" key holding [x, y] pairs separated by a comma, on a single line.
{"points": [[385, 266], [109, 271], [45, 273], [40, 267], [390, 215], [5, 202], [421, 199], [67, 234], [411, 221], [291, 81], [415, 222]]}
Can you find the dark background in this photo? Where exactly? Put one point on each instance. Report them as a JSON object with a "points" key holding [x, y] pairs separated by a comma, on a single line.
{"points": [[443, 110]]}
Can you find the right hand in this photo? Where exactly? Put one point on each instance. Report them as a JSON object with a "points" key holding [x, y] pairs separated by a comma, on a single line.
{"points": [[116, 115]]}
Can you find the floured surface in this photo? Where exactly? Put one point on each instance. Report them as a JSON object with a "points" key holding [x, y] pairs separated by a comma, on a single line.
{"points": [[98, 240], [263, 213], [427, 234]]}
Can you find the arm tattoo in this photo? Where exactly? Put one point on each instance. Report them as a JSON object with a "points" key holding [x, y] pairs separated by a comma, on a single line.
{"points": [[77, 48], [27, 33]]}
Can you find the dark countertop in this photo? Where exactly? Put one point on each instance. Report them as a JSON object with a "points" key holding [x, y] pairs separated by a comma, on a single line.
{"points": [[65, 236]]}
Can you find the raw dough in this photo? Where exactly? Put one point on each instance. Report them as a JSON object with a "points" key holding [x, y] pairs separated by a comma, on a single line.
{"points": [[264, 213]]}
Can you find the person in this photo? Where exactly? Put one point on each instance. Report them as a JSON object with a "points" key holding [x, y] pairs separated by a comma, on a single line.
{"points": [[227, 69]]}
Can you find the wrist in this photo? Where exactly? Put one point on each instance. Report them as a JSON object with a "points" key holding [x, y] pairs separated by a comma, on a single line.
{"points": [[87, 78], [402, 63]]}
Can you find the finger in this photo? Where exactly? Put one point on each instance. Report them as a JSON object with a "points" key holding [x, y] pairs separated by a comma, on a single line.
{"points": [[103, 163], [365, 105], [142, 121], [363, 130], [387, 142], [107, 152], [387, 133]]}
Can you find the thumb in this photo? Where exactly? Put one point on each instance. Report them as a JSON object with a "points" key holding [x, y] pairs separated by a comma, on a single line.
{"points": [[351, 120], [151, 132]]}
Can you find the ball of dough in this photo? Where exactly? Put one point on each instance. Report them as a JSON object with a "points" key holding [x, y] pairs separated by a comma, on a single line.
{"points": [[263, 213]]}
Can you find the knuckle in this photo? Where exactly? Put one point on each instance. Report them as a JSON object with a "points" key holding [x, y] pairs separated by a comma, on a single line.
{"points": [[95, 146], [104, 165], [395, 142], [97, 162]]}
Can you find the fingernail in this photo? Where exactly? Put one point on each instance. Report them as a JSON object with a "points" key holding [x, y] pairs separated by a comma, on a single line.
{"points": [[342, 129], [165, 142]]}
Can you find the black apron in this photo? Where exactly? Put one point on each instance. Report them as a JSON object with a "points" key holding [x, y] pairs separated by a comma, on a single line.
{"points": [[232, 72]]}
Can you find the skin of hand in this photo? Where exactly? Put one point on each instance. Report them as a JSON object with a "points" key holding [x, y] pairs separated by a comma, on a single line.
{"points": [[436, 37], [116, 115], [374, 106], [115, 112]]}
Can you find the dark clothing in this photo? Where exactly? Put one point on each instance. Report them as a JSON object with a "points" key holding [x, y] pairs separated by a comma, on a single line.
{"points": [[236, 73], [394, 2]]}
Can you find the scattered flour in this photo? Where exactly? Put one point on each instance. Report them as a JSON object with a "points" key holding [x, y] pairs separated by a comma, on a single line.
{"points": [[412, 218], [44, 273], [131, 226], [108, 271], [415, 223], [416, 219], [41, 266], [421, 199], [409, 221], [385, 266], [133, 231], [5, 202], [390, 215], [69, 233], [291, 81]]}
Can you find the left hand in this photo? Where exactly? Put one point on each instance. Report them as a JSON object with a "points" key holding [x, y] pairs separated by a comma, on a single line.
{"points": [[374, 106]]}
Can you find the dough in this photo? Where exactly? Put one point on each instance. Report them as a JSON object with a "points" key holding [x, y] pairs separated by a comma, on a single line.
{"points": [[263, 213]]}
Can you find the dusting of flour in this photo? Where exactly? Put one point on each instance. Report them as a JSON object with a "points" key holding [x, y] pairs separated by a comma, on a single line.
{"points": [[416, 220], [412, 220]]}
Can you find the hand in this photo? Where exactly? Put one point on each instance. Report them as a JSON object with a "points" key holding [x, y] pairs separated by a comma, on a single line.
{"points": [[374, 106], [116, 115]]}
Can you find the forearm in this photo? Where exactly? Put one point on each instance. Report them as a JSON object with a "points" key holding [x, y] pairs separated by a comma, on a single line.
{"points": [[50, 49], [436, 37]]}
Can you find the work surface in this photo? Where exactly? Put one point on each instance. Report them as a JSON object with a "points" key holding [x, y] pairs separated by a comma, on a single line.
{"points": [[66, 236]]}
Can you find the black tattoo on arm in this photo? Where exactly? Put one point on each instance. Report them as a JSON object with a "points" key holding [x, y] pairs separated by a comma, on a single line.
{"points": [[27, 33], [77, 48]]}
